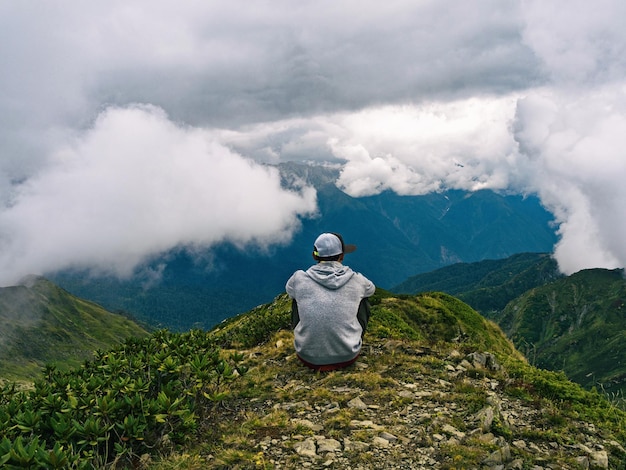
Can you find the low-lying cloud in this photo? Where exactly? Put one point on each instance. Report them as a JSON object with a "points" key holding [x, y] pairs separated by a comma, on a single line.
{"points": [[576, 149], [135, 185]]}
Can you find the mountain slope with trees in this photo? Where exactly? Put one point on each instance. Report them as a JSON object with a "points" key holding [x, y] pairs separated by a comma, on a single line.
{"points": [[43, 324], [576, 324], [487, 285], [437, 387]]}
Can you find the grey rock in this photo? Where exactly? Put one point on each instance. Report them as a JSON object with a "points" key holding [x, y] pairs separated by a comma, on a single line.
{"points": [[452, 431], [388, 436], [354, 446], [500, 456], [328, 445], [357, 403], [599, 459], [306, 448], [484, 360], [517, 464], [582, 461], [307, 424], [368, 424], [485, 417], [380, 442]]}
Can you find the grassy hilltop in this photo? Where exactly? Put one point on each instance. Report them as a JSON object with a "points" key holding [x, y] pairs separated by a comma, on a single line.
{"points": [[437, 387], [43, 324]]}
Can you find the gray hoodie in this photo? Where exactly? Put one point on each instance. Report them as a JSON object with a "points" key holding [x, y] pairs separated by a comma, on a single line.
{"points": [[328, 296]]}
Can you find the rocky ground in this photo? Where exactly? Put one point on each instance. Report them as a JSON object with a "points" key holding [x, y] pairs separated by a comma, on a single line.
{"points": [[404, 407]]}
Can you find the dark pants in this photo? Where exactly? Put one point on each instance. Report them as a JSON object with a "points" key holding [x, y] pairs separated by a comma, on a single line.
{"points": [[363, 314]]}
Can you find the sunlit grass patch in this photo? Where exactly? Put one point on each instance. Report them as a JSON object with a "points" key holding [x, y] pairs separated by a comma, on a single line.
{"points": [[234, 459], [185, 461], [340, 420], [457, 457]]}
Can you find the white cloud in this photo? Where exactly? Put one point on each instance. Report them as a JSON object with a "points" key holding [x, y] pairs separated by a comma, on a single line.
{"points": [[580, 43], [136, 185], [566, 148], [576, 146], [418, 149]]}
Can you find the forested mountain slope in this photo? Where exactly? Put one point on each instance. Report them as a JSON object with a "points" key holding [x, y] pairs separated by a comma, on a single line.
{"points": [[43, 324], [487, 285], [571, 323], [576, 324]]}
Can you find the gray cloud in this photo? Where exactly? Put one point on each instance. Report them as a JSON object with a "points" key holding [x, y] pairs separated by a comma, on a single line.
{"points": [[409, 96], [233, 62]]}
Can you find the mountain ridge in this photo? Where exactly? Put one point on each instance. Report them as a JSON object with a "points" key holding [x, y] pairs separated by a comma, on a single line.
{"points": [[437, 387], [45, 325], [575, 324], [487, 285]]}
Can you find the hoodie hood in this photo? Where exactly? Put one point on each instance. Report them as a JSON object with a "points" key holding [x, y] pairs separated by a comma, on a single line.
{"points": [[330, 274]]}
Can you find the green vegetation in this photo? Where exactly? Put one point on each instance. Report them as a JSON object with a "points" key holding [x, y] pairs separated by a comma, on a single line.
{"points": [[256, 326], [43, 324], [487, 285], [575, 324], [209, 399], [435, 315], [147, 396]]}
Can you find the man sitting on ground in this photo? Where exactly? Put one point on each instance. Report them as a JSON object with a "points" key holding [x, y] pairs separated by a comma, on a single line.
{"points": [[330, 308]]}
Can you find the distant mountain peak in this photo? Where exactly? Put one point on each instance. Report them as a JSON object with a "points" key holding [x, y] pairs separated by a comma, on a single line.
{"points": [[311, 174]]}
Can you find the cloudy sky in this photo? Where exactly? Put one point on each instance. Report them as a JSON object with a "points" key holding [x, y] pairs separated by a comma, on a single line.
{"points": [[128, 128]]}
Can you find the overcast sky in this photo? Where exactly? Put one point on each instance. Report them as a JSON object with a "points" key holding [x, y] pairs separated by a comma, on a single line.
{"points": [[129, 128]]}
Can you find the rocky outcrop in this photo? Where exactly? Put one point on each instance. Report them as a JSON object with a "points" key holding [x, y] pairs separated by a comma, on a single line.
{"points": [[402, 408]]}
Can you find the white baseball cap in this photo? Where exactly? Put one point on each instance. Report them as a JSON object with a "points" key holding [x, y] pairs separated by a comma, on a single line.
{"points": [[331, 244]]}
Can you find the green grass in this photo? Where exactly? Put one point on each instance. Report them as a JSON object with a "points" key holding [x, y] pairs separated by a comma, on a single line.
{"points": [[203, 399], [46, 325]]}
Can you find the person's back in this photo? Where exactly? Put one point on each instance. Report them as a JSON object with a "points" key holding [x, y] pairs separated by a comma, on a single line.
{"points": [[330, 309]]}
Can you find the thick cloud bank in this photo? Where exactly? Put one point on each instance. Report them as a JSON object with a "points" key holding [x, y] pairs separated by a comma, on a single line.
{"points": [[524, 96], [576, 147], [136, 185]]}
